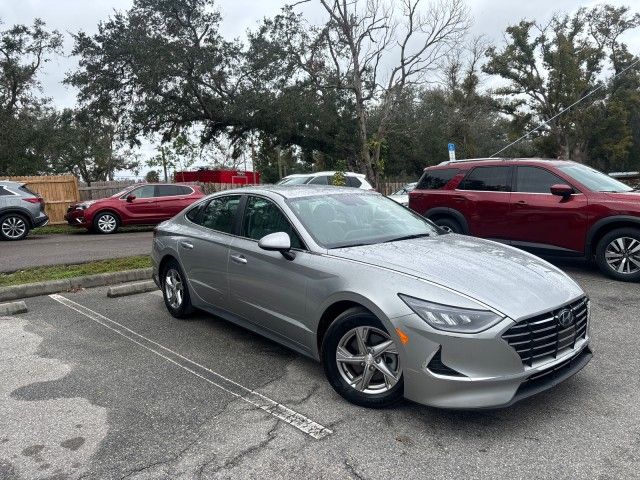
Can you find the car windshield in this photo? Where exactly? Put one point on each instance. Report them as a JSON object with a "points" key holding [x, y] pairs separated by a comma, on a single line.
{"points": [[352, 219], [594, 180], [293, 181]]}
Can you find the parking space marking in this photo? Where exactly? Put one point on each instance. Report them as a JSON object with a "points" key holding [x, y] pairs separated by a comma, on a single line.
{"points": [[282, 412]]}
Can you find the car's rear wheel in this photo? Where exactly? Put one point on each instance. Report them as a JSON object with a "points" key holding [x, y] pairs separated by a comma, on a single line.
{"points": [[449, 225], [361, 360], [13, 227], [618, 254], [106, 223], [175, 290]]}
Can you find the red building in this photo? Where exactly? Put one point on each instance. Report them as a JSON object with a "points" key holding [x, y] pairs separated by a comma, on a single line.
{"points": [[236, 177]]}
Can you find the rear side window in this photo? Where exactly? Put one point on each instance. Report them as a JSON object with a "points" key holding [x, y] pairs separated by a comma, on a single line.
{"points": [[536, 180], [436, 179], [172, 190], [24, 189], [488, 179], [220, 213], [4, 192], [353, 181]]}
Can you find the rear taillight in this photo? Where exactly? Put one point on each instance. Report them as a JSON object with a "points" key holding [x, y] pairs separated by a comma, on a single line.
{"points": [[34, 200]]}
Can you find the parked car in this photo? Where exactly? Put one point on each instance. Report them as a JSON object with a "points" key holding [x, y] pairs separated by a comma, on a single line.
{"points": [[356, 180], [147, 204], [402, 195], [20, 210], [552, 207], [391, 306]]}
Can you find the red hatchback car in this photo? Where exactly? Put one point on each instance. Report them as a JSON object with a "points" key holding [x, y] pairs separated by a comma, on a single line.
{"points": [[551, 207], [147, 204]]}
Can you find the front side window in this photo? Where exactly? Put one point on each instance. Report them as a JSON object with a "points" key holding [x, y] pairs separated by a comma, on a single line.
{"points": [[220, 213], [436, 179], [262, 217], [148, 191], [351, 219], [593, 179], [322, 180], [536, 180], [488, 179], [293, 181]]}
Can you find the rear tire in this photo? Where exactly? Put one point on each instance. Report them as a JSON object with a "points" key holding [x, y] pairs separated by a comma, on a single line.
{"points": [[449, 225], [13, 227], [618, 254], [106, 223], [346, 366], [175, 290]]}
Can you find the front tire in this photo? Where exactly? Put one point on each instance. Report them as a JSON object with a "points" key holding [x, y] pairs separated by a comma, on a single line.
{"points": [[618, 254], [106, 223], [361, 360], [175, 290], [13, 227]]}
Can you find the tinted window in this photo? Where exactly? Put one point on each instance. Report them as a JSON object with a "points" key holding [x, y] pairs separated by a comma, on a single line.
{"points": [[323, 180], [4, 191], [26, 190], [220, 213], [172, 190], [488, 179], [536, 180], [148, 191], [194, 213], [262, 217], [353, 181], [435, 179]]}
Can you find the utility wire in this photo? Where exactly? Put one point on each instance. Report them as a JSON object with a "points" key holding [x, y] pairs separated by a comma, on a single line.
{"points": [[564, 110]]}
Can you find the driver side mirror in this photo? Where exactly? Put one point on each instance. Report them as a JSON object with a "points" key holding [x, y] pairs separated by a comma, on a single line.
{"points": [[277, 242], [562, 190], [131, 198]]}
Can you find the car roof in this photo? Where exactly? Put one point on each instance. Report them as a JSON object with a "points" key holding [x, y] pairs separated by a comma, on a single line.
{"points": [[11, 183], [498, 161], [297, 191]]}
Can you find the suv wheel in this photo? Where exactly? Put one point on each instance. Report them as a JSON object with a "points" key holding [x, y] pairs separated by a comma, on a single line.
{"points": [[449, 225], [13, 227], [618, 254], [361, 360], [106, 222]]}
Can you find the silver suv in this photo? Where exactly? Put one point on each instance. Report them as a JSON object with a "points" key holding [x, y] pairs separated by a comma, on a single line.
{"points": [[20, 210]]}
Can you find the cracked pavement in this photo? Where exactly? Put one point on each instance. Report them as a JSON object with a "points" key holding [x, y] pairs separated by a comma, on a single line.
{"points": [[79, 401]]}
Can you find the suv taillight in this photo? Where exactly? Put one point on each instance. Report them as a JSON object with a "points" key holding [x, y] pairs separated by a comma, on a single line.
{"points": [[34, 200]]}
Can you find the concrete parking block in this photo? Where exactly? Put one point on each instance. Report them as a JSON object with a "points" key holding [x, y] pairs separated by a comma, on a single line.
{"points": [[131, 289], [12, 308]]}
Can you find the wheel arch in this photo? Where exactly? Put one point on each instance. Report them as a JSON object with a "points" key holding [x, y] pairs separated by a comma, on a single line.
{"points": [[19, 211], [604, 226], [437, 213]]}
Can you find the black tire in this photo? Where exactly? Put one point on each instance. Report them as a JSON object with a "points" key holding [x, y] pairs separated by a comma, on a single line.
{"points": [[185, 308], [627, 236], [449, 225], [102, 219], [14, 227], [342, 325]]}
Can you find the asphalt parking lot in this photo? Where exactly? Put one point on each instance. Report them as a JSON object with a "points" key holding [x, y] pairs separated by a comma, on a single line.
{"points": [[92, 387]]}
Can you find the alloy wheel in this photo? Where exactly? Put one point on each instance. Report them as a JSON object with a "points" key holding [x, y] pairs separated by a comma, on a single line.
{"points": [[623, 255], [14, 227], [368, 360], [174, 288], [107, 223]]}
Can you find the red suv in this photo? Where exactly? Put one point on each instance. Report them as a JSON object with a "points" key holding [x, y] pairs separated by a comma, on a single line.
{"points": [[147, 204], [552, 207]]}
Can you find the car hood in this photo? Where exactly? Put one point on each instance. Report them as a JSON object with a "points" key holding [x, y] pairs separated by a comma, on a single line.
{"points": [[511, 281]]}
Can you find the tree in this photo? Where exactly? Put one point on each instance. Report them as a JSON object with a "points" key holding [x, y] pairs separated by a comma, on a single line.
{"points": [[152, 176]]}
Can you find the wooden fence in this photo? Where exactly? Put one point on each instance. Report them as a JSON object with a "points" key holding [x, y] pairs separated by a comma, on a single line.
{"points": [[58, 192]]}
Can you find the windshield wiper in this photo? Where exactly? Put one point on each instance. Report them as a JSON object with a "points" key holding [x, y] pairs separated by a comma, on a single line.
{"points": [[408, 237]]}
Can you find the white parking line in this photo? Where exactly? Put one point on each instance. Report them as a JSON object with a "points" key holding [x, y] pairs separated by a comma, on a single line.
{"points": [[250, 396]]}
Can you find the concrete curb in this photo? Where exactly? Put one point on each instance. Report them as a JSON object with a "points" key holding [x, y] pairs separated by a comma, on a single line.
{"points": [[131, 289], [12, 308], [89, 281]]}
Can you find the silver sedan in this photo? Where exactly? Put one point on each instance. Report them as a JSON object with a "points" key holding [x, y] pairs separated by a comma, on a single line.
{"points": [[389, 304]]}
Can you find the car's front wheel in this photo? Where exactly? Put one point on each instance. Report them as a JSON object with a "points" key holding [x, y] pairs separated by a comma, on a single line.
{"points": [[106, 222], [361, 360], [175, 290], [618, 254], [13, 227]]}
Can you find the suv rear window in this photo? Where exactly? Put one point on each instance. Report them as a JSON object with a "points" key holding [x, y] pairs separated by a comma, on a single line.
{"points": [[488, 179], [436, 179]]}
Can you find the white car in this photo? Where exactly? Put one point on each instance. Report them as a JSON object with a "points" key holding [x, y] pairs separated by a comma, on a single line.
{"points": [[356, 180], [402, 195]]}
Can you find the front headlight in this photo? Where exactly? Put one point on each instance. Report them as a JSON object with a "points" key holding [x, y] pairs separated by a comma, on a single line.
{"points": [[84, 205], [452, 319]]}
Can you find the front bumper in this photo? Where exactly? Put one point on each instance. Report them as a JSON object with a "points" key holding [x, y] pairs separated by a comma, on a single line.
{"points": [[486, 372], [77, 218]]}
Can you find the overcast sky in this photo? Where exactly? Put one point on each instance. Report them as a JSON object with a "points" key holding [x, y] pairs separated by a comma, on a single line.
{"points": [[490, 18]]}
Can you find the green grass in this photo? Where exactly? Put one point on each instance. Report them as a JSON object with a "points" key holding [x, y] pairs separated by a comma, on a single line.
{"points": [[66, 229], [59, 272]]}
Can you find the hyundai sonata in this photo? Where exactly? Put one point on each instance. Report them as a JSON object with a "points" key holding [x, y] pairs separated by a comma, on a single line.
{"points": [[390, 305]]}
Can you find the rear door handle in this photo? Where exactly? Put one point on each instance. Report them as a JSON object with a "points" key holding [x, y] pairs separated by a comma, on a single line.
{"points": [[187, 245], [237, 258]]}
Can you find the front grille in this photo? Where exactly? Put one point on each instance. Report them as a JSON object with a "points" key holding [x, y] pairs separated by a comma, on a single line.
{"points": [[544, 338]]}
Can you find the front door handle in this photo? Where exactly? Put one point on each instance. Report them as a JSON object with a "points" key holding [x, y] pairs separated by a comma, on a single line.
{"points": [[237, 258], [187, 245]]}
